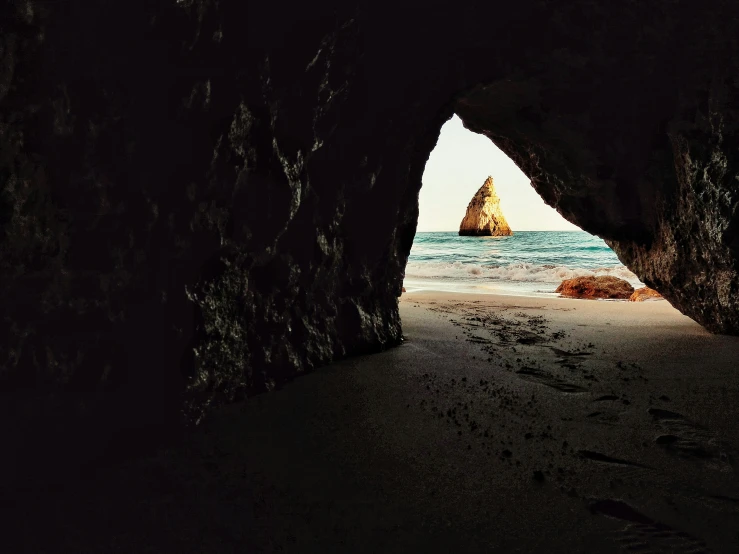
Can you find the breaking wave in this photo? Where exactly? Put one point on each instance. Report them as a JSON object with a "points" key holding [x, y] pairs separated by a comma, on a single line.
{"points": [[517, 272], [527, 263]]}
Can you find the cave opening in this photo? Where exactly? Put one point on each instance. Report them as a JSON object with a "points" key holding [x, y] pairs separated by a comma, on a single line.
{"points": [[509, 240]]}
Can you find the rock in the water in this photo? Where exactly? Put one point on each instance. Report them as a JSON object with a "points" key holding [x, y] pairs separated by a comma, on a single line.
{"points": [[643, 294], [604, 286], [483, 217]]}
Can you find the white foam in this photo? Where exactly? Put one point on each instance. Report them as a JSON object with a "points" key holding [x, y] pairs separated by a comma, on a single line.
{"points": [[521, 272]]}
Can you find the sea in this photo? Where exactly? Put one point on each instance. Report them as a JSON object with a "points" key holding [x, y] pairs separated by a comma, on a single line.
{"points": [[529, 263]]}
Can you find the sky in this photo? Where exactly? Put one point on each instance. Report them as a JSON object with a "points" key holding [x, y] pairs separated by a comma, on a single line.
{"points": [[458, 167]]}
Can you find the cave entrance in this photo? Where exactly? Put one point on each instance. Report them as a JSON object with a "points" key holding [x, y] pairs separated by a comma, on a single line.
{"points": [[544, 250]]}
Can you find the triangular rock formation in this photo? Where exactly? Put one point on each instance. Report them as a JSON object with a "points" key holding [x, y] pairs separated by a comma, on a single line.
{"points": [[483, 217]]}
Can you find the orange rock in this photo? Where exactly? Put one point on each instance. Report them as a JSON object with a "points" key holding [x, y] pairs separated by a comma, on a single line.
{"points": [[483, 217], [603, 286], [645, 293]]}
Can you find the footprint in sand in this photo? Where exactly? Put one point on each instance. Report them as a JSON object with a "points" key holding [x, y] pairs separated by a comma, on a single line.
{"points": [[566, 354], [605, 411], [679, 491], [680, 437], [544, 378], [598, 457], [529, 338], [639, 479], [643, 534]]}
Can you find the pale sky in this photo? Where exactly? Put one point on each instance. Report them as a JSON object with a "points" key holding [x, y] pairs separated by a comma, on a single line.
{"points": [[459, 165]]}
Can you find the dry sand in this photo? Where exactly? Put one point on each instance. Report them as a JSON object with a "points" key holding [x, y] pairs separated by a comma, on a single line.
{"points": [[502, 424]]}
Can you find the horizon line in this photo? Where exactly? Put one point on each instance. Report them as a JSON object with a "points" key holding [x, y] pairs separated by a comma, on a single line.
{"points": [[517, 231]]}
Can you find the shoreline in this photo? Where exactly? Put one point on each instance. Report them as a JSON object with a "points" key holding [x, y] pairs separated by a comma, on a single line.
{"points": [[645, 322], [459, 287]]}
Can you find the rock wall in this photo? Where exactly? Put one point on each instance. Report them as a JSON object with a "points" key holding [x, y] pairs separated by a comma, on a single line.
{"points": [[484, 216], [203, 199]]}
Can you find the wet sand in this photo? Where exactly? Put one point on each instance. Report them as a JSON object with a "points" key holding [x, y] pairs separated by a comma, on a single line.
{"points": [[502, 424]]}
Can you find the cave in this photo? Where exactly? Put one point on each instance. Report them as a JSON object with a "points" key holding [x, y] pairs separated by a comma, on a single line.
{"points": [[202, 200]]}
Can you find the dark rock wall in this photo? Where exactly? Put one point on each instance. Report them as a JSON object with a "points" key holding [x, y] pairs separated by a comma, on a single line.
{"points": [[205, 198]]}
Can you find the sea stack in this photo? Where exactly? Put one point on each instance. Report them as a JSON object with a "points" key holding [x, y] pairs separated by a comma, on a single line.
{"points": [[483, 217]]}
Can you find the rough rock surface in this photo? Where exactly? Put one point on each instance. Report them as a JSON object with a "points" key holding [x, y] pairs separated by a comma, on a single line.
{"points": [[643, 294], [483, 216], [602, 286], [201, 199]]}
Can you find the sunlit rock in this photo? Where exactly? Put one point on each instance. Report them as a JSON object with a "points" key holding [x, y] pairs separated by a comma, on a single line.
{"points": [[484, 217], [602, 286], [644, 294]]}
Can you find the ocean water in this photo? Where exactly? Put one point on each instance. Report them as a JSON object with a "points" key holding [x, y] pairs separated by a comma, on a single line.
{"points": [[529, 263]]}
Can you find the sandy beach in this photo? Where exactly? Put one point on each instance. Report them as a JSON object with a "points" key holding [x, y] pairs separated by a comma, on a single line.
{"points": [[502, 424]]}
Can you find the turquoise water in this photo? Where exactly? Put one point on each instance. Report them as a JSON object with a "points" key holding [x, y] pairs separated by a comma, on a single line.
{"points": [[529, 263]]}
